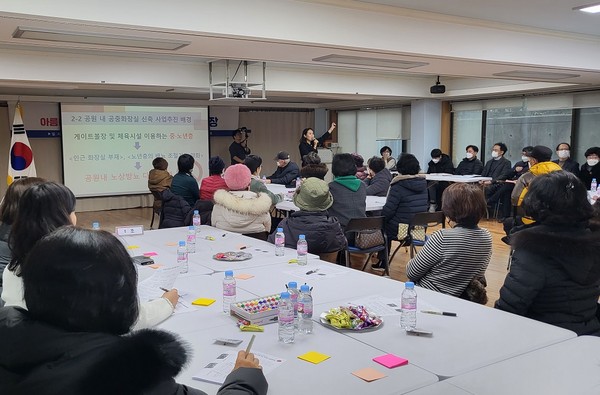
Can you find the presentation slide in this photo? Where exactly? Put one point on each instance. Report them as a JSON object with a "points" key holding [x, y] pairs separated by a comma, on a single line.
{"points": [[108, 149]]}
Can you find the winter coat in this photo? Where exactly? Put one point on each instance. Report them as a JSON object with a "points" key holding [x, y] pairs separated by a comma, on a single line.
{"points": [[5, 253], [210, 184], [569, 165], [242, 211], [498, 169], [286, 175], [41, 359], [314, 170], [258, 186], [407, 197], [158, 181], [379, 184], [468, 167], [445, 165], [348, 204], [554, 277], [361, 173], [323, 232], [522, 185], [186, 186], [587, 173], [175, 209]]}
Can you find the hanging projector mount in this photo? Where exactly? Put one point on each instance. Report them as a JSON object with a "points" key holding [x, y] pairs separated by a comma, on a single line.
{"points": [[438, 88], [249, 84]]}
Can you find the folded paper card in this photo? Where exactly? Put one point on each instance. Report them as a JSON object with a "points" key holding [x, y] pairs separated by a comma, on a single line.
{"points": [[390, 361], [243, 276], [314, 357], [203, 302], [368, 374]]}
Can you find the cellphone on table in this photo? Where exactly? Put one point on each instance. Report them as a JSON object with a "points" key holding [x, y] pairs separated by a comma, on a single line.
{"points": [[142, 260], [419, 332]]}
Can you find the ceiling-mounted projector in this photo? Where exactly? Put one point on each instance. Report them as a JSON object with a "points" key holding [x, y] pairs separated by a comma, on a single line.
{"points": [[438, 88]]}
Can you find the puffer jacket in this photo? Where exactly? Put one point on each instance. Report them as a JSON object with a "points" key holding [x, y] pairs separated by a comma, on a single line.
{"points": [[175, 209], [323, 232], [443, 166], [379, 184], [554, 277], [158, 181], [520, 190], [41, 359], [407, 197], [241, 211]]}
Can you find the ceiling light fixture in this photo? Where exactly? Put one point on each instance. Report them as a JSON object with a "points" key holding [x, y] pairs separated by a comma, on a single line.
{"points": [[590, 8], [97, 39], [536, 75], [371, 62]]}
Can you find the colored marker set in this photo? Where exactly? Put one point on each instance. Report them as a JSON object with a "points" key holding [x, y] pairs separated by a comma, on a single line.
{"points": [[257, 311]]}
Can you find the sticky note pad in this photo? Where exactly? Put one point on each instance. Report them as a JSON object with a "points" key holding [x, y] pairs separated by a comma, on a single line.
{"points": [[390, 361], [369, 374], [171, 243], [132, 247], [151, 253], [314, 357], [243, 276], [203, 302], [155, 266]]}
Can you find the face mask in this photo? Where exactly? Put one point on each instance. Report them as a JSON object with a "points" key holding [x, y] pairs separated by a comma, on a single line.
{"points": [[592, 162], [469, 155], [525, 158], [563, 153], [435, 160], [495, 154]]}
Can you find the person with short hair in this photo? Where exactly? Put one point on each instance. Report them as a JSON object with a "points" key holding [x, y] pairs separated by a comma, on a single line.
{"points": [[454, 256], [308, 142], [590, 169], [312, 166], [239, 148], [286, 173], [499, 169], [502, 195], [214, 181], [470, 165], [159, 179], [323, 232], [254, 164], [563, 151], [386, 155], [81, 291], [361, 170], [539, 163], [349, 193], [184, 184], [439, 163], [379, 179], [554, 274]]}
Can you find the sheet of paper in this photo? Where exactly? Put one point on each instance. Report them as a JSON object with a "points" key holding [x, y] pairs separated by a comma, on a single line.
{"points": [[163, 277], [217, 370], [315, 272], [379, 305], [369, 374]]}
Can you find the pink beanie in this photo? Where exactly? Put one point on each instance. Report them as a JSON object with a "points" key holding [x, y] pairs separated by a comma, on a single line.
{"points": [[237, 177]]}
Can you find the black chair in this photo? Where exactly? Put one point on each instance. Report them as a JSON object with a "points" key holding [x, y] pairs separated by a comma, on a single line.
{"points": [[416, 234], [368, 225], [156, 206]]}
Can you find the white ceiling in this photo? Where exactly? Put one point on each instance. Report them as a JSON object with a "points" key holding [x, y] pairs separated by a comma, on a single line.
{"points": [[469, 43]]}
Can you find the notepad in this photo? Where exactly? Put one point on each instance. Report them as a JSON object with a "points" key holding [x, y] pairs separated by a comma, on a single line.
{"points": [[369, 374], [132, 247], [150, 253], [314, 357], [243, 276], [171, 243], [390, 361], [203, 302]]}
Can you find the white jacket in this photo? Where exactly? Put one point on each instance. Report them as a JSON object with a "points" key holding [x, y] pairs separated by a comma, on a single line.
{"points": [[241, 211], [151, 313]]}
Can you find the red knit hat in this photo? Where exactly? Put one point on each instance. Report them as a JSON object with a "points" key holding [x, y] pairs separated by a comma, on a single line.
{"points": [[237, 177]]}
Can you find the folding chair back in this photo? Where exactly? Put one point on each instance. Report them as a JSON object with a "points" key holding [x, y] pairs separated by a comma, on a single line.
{"points": [[368, 225], [156, 206], [418, 228]]}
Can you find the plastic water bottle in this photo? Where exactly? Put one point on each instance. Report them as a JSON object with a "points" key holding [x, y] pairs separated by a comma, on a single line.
{"points": [[279, 242], [182, 257], [196, 221], [95, 225], [285, 317], [594, 185], [298, 182], [293, 291], [228, 291], [305, 310], [408, 319], [264, 178], [302, 250], [191, 239]]}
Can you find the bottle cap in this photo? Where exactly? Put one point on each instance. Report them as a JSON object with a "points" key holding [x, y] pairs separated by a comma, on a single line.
{"points": [[191, 227], [409, 285], [285, 295], [95, 225], [196, 212], [228, 273], [293, 285], [301, 237], [182, 244], [280, 229], [304, 288]]}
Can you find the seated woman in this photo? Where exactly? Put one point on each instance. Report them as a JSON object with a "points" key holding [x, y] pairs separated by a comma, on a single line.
{"points": [[554, 273], [159, 179], [386, 155], [240, 210], [184, 184], [323, 232], [349, 193], [215, 179], [42, 209], [361, 170], [80, 288], [312, 166], [452, 257], [379, 179]]}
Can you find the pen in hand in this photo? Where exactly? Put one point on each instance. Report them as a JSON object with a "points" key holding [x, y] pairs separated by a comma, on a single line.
{"points": [[250, 344]]}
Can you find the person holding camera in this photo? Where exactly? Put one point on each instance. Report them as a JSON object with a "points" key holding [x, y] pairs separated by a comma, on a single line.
{"points": [[239, 148]]}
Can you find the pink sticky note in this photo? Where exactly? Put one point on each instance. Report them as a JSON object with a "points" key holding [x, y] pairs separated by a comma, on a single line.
{"points": [[243, 276], [149, 253], [390, 361], [369, 374]]}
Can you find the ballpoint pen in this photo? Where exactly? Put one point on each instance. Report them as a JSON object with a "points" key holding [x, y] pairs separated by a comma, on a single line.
{"points": [[446, 313]]}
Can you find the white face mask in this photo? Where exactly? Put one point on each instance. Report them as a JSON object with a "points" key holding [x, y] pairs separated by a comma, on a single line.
{"points": [[525, 158], [592, 162], [435, 160], [495, 154], [469, 155], [563, 153]]}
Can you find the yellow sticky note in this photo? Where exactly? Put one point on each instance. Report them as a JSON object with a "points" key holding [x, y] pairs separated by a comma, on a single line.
{"points": [[132, 247], [314, 357], [203, 302]]}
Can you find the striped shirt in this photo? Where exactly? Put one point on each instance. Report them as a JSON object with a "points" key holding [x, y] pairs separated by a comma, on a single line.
{"points": [[450, 259]]}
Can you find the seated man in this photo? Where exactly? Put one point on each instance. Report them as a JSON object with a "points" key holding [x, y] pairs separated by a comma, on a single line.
{"points": [[498, 169], [286, 173], [470, 164], [502, 194], [439, 163]]}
